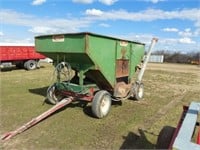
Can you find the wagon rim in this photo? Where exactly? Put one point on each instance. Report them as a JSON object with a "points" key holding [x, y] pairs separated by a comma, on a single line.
{"points": [[105, 104]]}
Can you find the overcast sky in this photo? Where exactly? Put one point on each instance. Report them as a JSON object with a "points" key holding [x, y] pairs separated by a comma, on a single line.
{"points": [[175, 22]]}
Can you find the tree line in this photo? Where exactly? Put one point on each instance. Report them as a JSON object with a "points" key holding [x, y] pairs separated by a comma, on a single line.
{"points": [[178, 57]]}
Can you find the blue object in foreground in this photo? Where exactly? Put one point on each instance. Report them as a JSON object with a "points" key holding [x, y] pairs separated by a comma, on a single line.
{"points": [[183, 139]]}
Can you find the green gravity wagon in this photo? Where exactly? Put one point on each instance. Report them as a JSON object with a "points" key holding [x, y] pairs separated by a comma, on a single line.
{"points": [[94, 68]]}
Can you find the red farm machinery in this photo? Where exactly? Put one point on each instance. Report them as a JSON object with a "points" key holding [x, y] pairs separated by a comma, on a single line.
{"points": [[23, 56]]}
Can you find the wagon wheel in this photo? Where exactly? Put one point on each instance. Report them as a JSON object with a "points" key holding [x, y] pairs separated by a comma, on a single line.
{"points": [[101, 104], [30, 65], [165, 137], [63, 71], [138, 89], [53, 96]]}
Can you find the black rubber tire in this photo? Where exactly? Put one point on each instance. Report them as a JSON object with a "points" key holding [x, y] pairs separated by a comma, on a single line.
{"points": [[52, 98], [101, 104], [20, 65], [30, 65], [138, 91], [25, 64], [165, 137]]}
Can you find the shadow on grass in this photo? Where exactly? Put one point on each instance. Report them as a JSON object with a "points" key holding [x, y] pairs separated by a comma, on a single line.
{"points": [[6, 69], [136, 141], [83, 104], [77, 103], [13, 68], [39, 91]]}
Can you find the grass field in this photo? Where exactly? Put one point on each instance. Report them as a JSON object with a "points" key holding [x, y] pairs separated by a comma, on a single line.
{"points": [[129, 125]]}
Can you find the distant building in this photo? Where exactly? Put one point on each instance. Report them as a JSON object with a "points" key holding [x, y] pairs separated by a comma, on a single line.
{"points": [[156, 58]]}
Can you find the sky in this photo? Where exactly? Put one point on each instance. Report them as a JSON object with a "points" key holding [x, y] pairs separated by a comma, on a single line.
{"points": [[176, 23]]}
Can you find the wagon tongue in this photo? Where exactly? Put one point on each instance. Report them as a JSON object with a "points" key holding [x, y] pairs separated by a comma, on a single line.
{"points": [[37, 119]]}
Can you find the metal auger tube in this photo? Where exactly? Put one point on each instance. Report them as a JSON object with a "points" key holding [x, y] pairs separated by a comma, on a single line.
{"points": [[141, 73]]}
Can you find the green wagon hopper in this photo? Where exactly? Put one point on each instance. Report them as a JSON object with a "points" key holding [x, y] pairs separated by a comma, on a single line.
{"points": [[103, 68]]}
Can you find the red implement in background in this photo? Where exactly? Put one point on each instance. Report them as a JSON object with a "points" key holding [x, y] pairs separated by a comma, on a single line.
{"points": [[13, 53], [21, 56]]}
